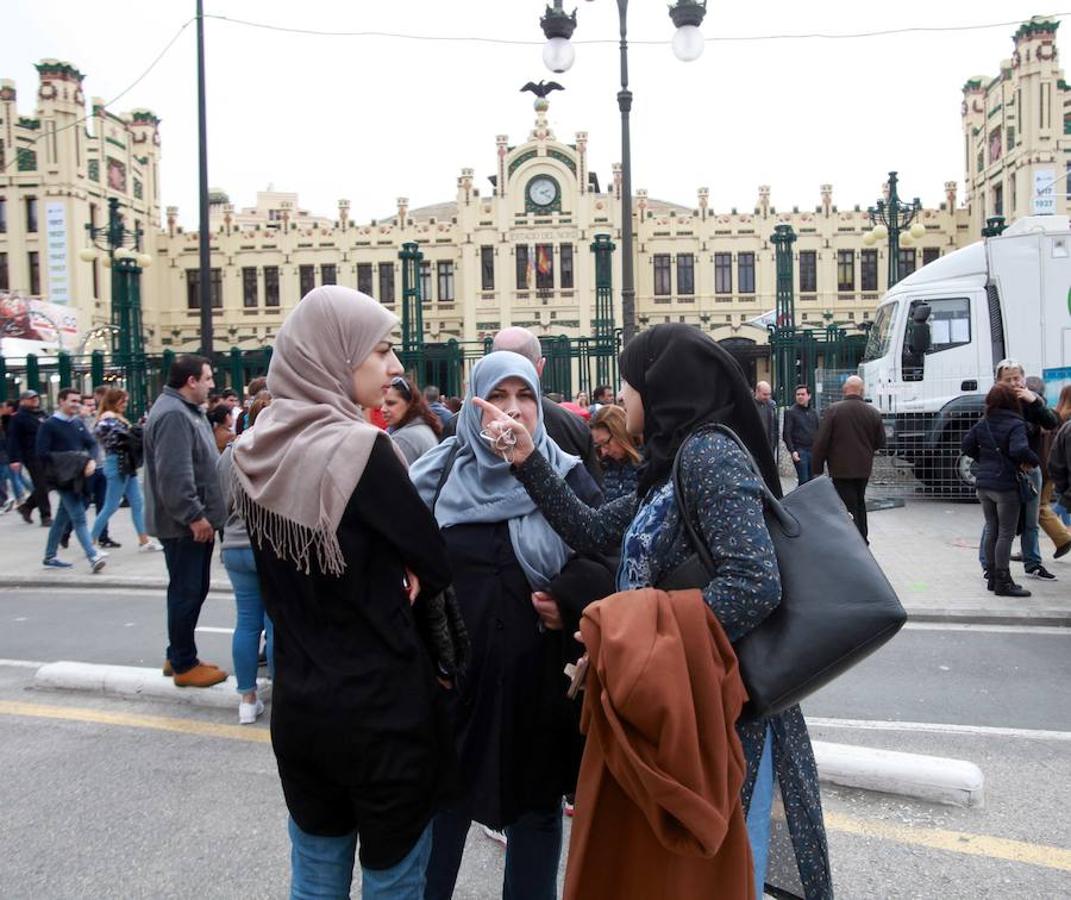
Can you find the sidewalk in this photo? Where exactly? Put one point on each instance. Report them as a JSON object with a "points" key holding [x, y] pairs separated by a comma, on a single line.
{"points": [[928, 549]]}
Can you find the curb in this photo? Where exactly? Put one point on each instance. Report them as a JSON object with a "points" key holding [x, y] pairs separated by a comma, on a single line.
{"points": [[132, 681], [93, 582], [982, 616], [936, 779]]}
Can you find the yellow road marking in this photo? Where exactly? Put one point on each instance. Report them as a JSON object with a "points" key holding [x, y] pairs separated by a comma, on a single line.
{"points": [[130, 720], [955, 842], [934, 838]]}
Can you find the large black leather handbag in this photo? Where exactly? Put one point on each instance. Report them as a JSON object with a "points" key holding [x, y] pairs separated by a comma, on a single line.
{"points": [[837, 607]]}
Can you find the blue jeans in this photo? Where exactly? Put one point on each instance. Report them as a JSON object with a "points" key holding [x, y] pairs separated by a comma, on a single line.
{"points": [[1029, 542], [119, 486], [72, 512], [533, 851], [252, 619], [323, 867], [758, 814], [189, 565], [19, 483], [803, 467]]}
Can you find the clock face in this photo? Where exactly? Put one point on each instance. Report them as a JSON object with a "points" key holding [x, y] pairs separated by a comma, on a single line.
{"points": [[542, 191]]}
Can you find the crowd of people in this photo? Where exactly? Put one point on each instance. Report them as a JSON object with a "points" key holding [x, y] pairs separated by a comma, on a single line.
{"points": [[422, 570]]}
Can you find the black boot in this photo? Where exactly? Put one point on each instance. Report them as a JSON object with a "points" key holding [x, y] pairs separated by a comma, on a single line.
{"points": [[1005, 587]]}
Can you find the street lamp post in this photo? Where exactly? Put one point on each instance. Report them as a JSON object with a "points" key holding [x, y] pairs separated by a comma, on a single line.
{"points": [[892, 218], [412, 310], [558, 55], [125, 259]]}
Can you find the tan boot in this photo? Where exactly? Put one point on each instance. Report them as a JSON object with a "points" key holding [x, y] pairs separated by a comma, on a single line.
{"points": [[200, 676], [168, 671]]}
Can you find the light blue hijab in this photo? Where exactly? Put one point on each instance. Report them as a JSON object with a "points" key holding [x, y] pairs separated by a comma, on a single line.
{"points": [[481, 488]]}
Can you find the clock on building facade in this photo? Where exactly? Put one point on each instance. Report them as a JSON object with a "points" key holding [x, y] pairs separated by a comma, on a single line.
{"points": [[543, 194]]}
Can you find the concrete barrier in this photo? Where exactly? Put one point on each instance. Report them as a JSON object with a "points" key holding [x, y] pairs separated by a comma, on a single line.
{"points": [[936, 779], [133, 681]]}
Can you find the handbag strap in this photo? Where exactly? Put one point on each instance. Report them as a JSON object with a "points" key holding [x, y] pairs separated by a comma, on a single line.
{"points": [[447, 466], [770, 502]]}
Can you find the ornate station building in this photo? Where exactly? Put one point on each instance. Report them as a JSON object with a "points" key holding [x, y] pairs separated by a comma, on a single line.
{"points": [[514, 249]]}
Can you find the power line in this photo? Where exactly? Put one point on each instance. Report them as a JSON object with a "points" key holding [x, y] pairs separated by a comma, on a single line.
{"points": [[114, 99], [477, 39]]}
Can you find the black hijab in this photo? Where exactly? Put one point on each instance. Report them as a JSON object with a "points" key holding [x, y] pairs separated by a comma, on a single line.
{"points": [[686, 380]]}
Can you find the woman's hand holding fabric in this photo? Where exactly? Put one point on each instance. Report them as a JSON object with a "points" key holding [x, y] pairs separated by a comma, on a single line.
{"points": [[508, 436], [547, 609], [412, 585]]}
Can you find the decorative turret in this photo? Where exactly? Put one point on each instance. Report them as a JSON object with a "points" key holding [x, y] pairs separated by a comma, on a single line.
{"points": [[764, 200], [403, 211], [616, 167], [464, 186], [502, 142], [582, 161], [704, 201], [827, 199], [172, 218], [950, 195], [343, 214]]}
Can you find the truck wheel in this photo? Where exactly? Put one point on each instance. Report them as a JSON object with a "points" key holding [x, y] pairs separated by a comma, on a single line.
{"points": [[956, 475]]}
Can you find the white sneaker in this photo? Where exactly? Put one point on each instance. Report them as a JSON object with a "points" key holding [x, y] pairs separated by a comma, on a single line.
{"points": [[9, 504], [98, 561], [150, 546], [248, 713]]}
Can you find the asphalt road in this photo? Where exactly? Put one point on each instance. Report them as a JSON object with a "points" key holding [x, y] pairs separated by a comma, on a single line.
{"points": [[100, 802]]}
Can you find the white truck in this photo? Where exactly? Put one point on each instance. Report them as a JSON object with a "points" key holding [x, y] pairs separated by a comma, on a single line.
{"points": [[939, 332]]}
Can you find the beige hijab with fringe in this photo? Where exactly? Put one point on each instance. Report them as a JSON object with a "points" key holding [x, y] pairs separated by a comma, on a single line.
{"points": [[297, 468]]}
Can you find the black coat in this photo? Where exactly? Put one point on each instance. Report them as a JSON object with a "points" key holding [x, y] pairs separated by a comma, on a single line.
{"points": [[999, 443], [518, 735], [359, 722], [800, 428], [22, 435]]}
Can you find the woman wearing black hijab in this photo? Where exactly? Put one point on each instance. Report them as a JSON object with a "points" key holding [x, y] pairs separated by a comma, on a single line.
{"points": [[676, 380]]}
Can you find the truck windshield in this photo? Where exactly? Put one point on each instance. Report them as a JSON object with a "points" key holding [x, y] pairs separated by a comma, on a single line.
{"points": [[877, 344]]}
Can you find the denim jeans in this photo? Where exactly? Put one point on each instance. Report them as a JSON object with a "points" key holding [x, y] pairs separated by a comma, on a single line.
{"points": [[72, 513], [119, 486], [1001, 511], [322, 867], [252, 619], [188, 567], [1029, 542], [18, 483], [533, 851], [760, 811], [803, 467]]}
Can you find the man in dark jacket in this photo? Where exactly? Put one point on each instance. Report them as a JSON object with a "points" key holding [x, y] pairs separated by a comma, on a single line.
{"points": [[567, 430], [768, 413], [184, 509], [22, 452], [800, 428], [850, 433], [68, 454]]}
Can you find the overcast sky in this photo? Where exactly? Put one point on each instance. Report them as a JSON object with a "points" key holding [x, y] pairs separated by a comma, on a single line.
{"points": [[375, 118]]}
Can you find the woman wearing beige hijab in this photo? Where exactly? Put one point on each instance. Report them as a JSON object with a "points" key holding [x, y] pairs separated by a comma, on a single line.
{"points": [[344, 545]]}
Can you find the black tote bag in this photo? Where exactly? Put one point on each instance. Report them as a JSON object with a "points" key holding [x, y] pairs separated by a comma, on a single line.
{"points": [[837, 607]]}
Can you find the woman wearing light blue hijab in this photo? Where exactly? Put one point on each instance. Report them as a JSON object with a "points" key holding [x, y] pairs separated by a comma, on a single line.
{"points": [[521, 591]]}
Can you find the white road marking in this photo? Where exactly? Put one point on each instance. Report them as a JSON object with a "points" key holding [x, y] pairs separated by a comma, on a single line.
{"points": [[212, 629], [940, 728], [22, 663], [989, 629]]}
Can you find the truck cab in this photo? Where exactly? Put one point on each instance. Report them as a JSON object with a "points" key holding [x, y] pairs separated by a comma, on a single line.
{"points": [[939, 333]]}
